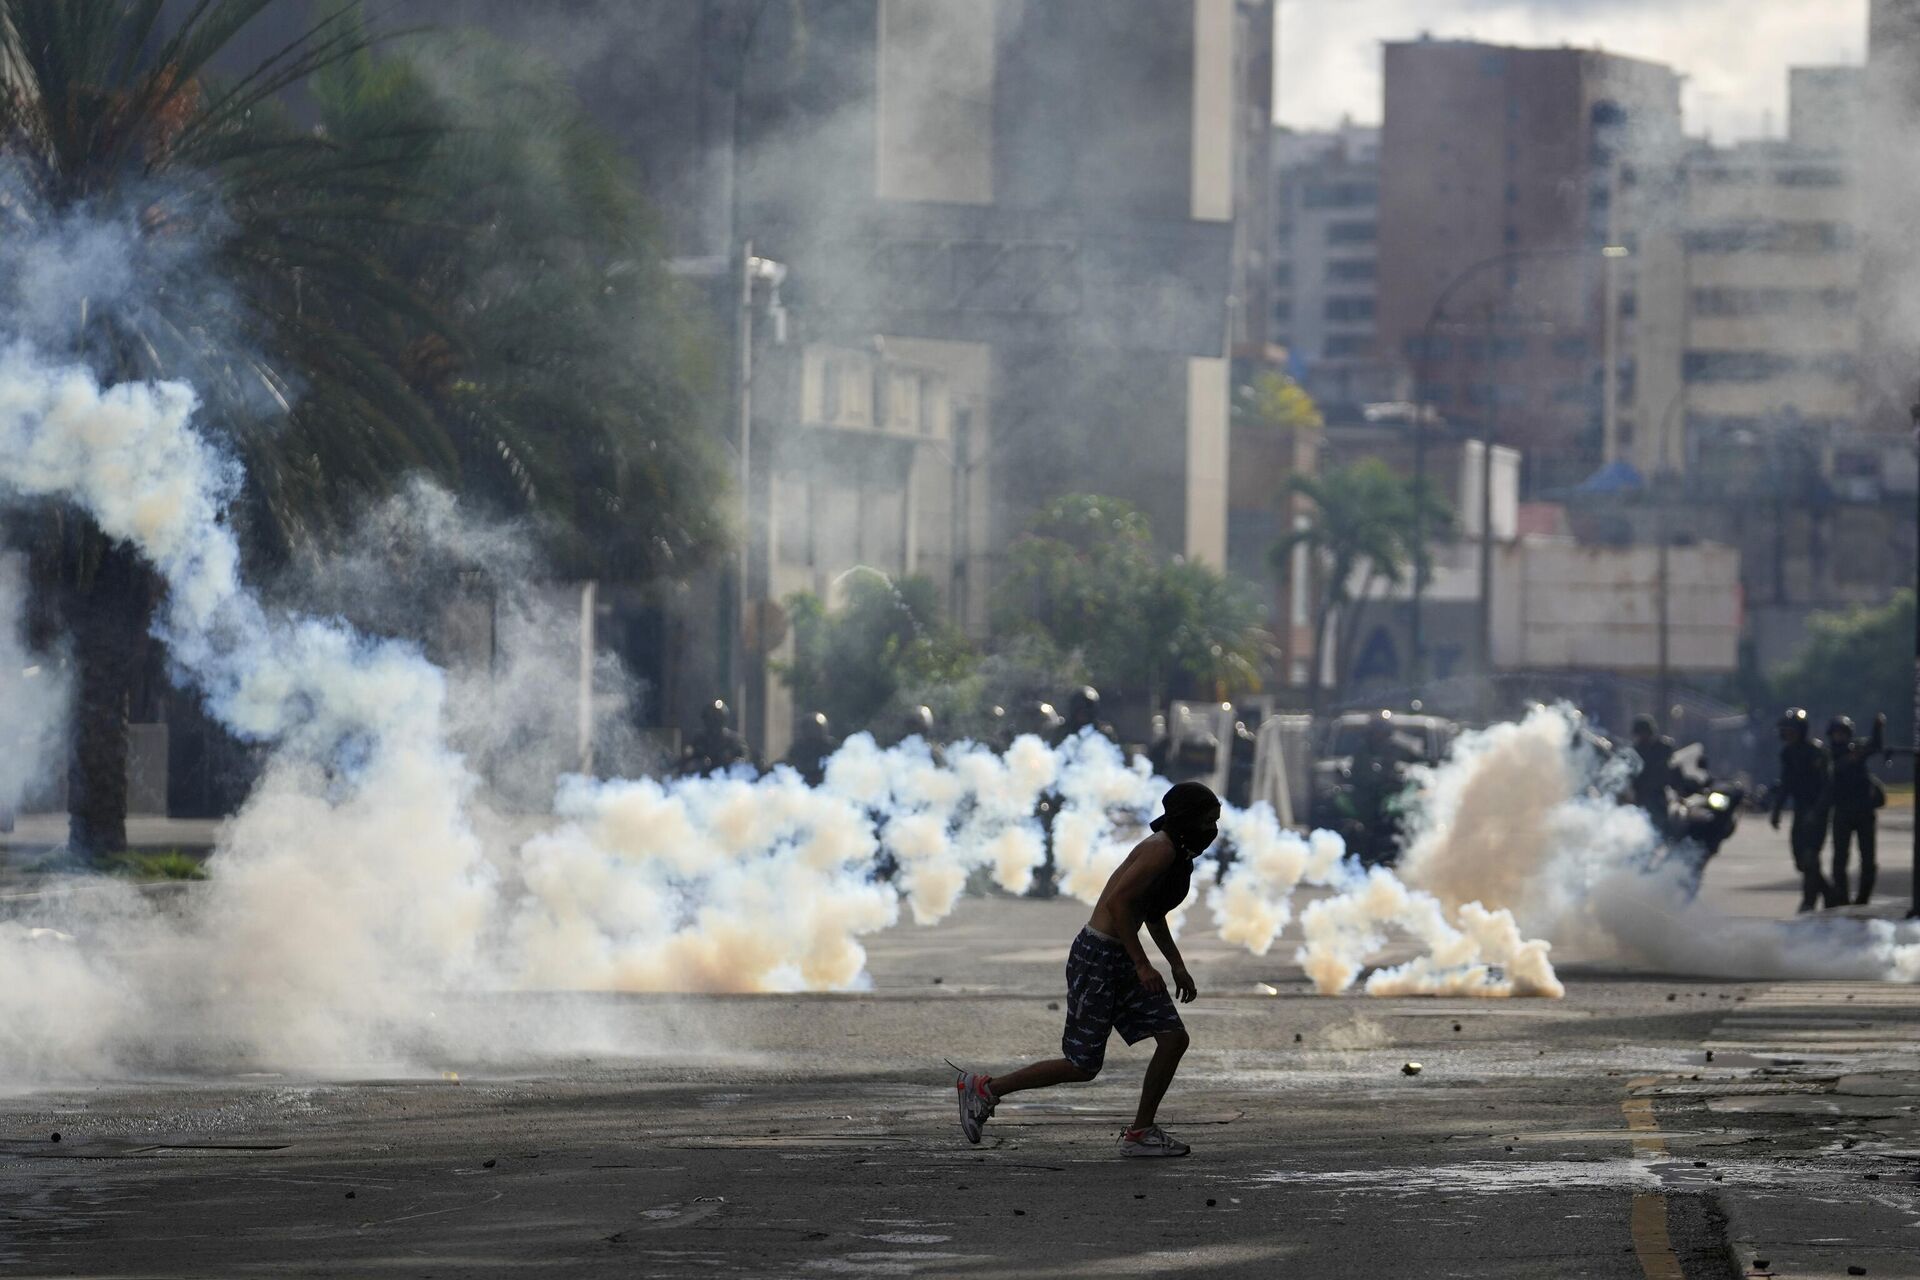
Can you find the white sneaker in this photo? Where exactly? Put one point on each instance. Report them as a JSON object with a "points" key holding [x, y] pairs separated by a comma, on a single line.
{"points": [[1151, 1141], [976, 1103]]}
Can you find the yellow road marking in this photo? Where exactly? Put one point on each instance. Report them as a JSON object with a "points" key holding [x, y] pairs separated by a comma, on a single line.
{"points": [[1651, 1243]]}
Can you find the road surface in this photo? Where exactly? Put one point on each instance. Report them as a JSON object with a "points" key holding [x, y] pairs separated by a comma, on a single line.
{"points": [[815, 1136]]}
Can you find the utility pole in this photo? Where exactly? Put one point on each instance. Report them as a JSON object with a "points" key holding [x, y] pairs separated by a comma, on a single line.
{"points": [[1661, 695], [1663, 536], [1424, 410]]}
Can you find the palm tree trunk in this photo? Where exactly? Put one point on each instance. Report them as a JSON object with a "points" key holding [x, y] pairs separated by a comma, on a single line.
{"points": [[1323, 618], [107, 616], [1350, 632]]}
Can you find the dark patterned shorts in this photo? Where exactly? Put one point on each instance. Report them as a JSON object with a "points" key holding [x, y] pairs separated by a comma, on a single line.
{"points": [[1104, 995]]}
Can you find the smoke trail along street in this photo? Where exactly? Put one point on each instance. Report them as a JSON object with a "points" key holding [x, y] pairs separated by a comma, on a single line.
{"points": [[354, 883]]}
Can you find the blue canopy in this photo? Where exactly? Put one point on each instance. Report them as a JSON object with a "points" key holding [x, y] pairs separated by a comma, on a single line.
{"points": [[1615, 477]]}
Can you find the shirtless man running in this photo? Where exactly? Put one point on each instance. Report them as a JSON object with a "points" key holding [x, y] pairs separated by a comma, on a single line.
{"points": [[1111, 985]]}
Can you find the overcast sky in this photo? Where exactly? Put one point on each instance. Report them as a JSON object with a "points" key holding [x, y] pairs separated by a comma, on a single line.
{"points": [[1734, 53]]}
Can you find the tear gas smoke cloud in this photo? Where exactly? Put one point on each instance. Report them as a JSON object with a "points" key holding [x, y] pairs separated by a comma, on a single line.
{"points": [[367, 876]]}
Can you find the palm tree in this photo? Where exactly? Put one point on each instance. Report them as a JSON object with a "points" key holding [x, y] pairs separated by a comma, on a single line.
{"points": [[537, 243], [247, 272], [1364, 532]]}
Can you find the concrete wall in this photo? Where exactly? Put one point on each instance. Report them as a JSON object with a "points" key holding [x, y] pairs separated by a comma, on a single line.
{"points": [[1559, 605]]}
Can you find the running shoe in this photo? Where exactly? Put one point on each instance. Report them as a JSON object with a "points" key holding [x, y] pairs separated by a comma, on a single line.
{"points": [[976, 1102], [1151, 1141]]}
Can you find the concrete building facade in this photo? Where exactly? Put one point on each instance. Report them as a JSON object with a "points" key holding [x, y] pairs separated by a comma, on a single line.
{"points": [[1501, 171], [1326, 234], [1748, 315]]}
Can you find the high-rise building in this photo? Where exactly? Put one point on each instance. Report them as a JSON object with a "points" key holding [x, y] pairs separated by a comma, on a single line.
{"points": [[1325, 263], [1501, 174], [1748, 310], [1890, 191]]}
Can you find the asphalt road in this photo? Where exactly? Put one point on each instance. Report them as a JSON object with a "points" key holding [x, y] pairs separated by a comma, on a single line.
{"points": [[816, 1136]]}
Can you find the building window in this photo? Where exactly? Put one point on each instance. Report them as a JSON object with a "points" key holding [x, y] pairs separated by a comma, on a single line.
{"points": [[1771, 237], [1811, 176], [1352, 269], [1339, 195], [830, 391], [1759, 366], [1442, 348], [1283, 275], [1509, 348], [1730, 301], [1349, 309], [1571, 348], [1349, 345], [1283, 310], [1352, 232]]}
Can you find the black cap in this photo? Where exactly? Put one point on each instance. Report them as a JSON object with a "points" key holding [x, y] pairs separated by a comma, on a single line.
{"points": [[1839, 724], [1646, 724], [1794, 718]]}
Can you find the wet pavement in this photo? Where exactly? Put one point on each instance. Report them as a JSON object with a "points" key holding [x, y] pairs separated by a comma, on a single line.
{"points": [[815, 1136]]}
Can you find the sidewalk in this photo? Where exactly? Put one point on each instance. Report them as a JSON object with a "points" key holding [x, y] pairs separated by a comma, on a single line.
{"points": [[35, 835]]}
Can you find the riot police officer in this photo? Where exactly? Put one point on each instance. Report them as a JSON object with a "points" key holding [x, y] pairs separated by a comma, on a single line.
{"points": [[1083, 713], [1043, 721], [1803, 784], [1853, 796], [717, 747], [812, 744], [1648, 790]]}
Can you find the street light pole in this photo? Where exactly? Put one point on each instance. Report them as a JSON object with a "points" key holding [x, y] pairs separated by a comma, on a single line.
{"points": [[1489, 433], [1913, 909], [1423, 409], [743, 402]]}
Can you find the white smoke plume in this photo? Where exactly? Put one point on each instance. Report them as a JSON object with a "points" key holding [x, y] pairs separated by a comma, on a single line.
{"points": [[365, 874], [34, 694], [367, 877], [1522, 817]]}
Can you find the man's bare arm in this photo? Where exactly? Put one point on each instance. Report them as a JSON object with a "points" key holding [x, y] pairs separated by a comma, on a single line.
{"points": [[1163, 938]]}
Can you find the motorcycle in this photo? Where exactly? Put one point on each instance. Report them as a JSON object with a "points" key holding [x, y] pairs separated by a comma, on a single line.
{"points": [[1702, 817]]}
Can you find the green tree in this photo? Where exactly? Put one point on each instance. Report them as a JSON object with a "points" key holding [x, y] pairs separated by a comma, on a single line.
{"points": [[1277, 402], [1859, 662], [452, 276], [858, 662], [228, 248], [536, 244], [1088, 576], [1363, 531]]}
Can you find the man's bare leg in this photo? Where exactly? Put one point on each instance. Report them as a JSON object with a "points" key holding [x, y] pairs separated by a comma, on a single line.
{"points": [[1167, 1050], [1040, 1075]]}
